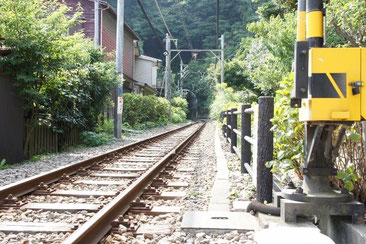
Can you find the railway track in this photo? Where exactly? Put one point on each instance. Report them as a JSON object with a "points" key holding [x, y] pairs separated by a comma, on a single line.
{"points": [[80, 203]]}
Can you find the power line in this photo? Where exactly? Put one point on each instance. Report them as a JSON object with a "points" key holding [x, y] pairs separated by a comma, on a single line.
{"points": [[217, 21], [166, 26], [184, 24], [151, 26]]}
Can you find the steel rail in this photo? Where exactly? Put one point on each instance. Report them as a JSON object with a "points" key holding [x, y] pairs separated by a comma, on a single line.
{"points": [[98, 226], [30, 184]]}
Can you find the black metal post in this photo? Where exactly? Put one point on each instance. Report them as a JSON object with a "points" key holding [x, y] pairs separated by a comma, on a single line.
{"points": [[228, 125], [246, 124], [265, 149], [234, 125], [225, 125]]}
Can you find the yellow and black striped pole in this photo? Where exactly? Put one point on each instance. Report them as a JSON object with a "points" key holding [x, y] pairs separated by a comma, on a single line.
{"points": [[301, 21], [314, 23]]}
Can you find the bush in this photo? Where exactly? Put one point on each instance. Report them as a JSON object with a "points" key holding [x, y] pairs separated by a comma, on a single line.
{"points": [[178, 115], [288, 133], [3, 164], [180, 102], [107, 127], [142, 109], [226, 98], [93, 139]]}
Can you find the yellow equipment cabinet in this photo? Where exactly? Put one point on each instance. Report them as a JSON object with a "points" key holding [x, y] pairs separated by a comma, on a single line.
{"points": [[334, 85]]}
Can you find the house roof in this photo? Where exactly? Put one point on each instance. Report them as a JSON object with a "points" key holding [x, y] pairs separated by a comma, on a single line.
{"points": [[146, 86], [152, 59], [127, 27]]}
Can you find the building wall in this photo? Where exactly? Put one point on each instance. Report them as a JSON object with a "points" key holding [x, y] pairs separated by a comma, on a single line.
{"points": [[11, 123], [108, 33], [128, 55], [143, 71], [108, 37], [88, 16]]}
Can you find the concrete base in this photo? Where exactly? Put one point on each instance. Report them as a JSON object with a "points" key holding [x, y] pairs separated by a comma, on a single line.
{"points": [[290, 234], [347, 233], [218, 222], [240, 206]]}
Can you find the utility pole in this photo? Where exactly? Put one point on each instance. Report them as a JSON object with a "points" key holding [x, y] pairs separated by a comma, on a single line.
{"points": [[168, 92], [167, 66], [96, 24], [222, 58], [118, 92], [180, 86]]}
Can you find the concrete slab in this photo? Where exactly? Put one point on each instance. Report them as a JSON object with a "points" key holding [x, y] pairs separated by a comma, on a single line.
{"points": [[221, 189], [289, 234], [240, 206], [347, 233], [218, 222]]}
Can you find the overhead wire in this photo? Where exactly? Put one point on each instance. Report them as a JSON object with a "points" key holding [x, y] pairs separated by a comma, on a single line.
{"points": [[217, 21], [151, 25], [184, 24], [166, 26]]}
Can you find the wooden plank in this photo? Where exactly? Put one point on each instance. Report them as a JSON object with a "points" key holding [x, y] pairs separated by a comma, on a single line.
{"points": [[136, 159], [177, 184], [171, 195], [62, 207], [102, 182], [150, 230], [124, 164], [30, 227], [127, 176], [149, 155], [83, 193], [125, 169], [185, 170], [158, 210]]}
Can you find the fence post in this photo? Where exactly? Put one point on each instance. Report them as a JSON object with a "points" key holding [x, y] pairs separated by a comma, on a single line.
{"points": [[228, 123], [234, 125], [246, 124], [224, 125], [265, 149]]}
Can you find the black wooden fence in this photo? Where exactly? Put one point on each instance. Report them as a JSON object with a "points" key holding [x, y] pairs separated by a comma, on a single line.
{"points": [[263, 141]]}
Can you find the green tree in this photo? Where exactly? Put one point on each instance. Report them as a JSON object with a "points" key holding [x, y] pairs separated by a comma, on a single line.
{"points": [[59, 75]]}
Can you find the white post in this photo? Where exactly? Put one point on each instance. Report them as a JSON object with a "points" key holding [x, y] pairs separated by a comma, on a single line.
{"points": [[96, 24], [118, 101], [222, 59], [180, 86], [167, 67]]}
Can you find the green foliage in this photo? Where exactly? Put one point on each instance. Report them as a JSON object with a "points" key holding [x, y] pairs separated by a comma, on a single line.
{"points": [[93, 139], [180, 102], [200, 17], [226, 98], [347, 19], [178, 115], [107, 126], [288, 133], [349, 177], [63, 81], [3, 164], [141, 109]]}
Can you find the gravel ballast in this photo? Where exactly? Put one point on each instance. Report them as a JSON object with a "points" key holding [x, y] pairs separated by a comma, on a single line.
{"points": [[25, 170]]}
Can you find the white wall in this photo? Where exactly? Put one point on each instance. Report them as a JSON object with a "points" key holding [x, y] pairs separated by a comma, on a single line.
{"points": [[143, 71]]}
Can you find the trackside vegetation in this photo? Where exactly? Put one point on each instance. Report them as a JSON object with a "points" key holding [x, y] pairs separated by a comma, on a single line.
{"points": [[63, 81], [263, 65]]}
